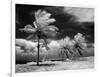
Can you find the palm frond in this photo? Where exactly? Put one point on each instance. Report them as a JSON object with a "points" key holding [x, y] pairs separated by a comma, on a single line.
{"points": [[52, 28], [32, 37], [29, 26], [43, 19], [37, 14], [50, 33], [28, 29]]}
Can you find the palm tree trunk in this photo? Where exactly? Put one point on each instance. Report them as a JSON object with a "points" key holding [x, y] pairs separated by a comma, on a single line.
{"points": [[38, 46]]}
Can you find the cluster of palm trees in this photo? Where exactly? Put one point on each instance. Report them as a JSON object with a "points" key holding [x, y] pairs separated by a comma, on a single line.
{"points": [[42, 30], [68, 46]]}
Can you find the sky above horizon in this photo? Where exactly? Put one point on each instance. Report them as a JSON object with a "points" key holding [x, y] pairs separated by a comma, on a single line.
{"points": [[69, 20]]}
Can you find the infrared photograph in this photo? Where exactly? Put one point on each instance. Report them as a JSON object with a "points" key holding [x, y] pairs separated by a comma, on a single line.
{"points": [[53, 38]]}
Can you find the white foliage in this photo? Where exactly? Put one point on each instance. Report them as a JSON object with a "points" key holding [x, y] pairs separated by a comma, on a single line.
{"points": [[79, 38], [43, 18]]}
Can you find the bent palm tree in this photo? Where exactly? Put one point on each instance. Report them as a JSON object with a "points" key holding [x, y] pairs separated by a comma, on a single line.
{"points": [[42, 30], [79, 41], [66, 47]]}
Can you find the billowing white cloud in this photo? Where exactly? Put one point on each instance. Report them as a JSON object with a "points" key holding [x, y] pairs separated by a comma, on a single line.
{"points": [[53, 44], [25, 43], [82, 14]]}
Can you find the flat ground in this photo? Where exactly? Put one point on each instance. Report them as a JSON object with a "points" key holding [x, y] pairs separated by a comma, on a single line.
{"points": [[76, 63]]}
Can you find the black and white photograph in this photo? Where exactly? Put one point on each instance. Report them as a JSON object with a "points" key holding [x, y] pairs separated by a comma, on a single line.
{"points": [[53, 38]]}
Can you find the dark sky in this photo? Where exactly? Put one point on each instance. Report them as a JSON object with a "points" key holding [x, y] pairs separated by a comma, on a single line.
{"points": [[69, 20]]}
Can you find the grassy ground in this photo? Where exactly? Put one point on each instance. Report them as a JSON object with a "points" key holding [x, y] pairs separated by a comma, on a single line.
{"points": [[76, 63]]}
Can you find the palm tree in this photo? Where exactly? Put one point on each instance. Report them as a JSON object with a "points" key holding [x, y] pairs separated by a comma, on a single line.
{"points": [[79, 41], [69, 46], [66, 47], [42, 29]]}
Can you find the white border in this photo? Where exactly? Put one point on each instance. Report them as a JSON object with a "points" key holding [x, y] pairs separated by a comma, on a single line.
{"points": [[52, 3], [13, 40]]}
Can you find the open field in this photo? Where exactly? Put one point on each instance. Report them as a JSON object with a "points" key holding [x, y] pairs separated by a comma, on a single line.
{"points": [[76, 63]]}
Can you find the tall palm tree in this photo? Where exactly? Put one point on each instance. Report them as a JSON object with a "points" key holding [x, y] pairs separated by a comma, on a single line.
{"points": [[42, 29]]}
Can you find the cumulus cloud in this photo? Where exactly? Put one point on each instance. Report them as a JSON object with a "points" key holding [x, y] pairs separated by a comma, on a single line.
{"points": [[31, 45], [53, 44], [62, 42], [26, 44], [82, 14], [18, 49], [66, 42]]}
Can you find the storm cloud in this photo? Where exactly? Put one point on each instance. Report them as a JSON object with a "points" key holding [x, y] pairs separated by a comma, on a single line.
{"points": [[82, 14]]}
